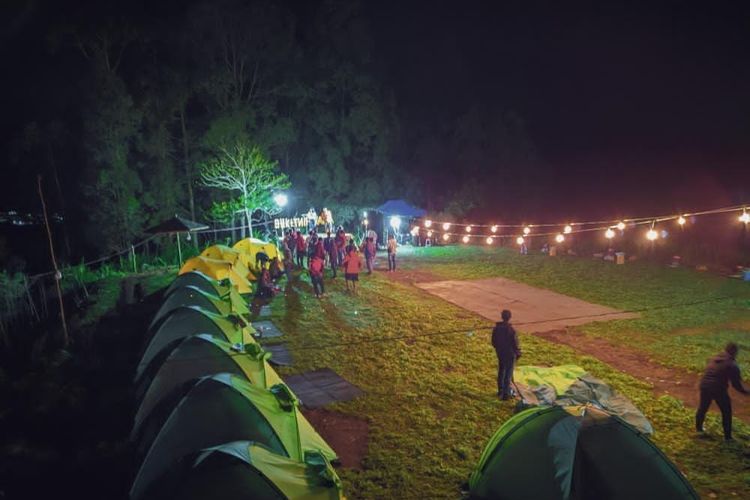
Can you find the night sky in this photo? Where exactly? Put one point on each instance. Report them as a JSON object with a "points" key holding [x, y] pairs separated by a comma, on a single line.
{"points": [[629, 106]]}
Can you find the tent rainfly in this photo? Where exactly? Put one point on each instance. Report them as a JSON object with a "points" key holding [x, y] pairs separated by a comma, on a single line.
{"points": [[201, 281], [232, 303], [235, 272]]}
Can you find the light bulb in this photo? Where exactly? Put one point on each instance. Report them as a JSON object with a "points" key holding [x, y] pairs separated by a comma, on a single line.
{"points": [[681, 220], [526, 230], [489, 240], [560, 238], [468, 229], [446, 237], [429, 234], [745, 217], [446, 226], [519, 240], [621, 226], [609, 234], [465, 239], [428, 223], [651, 235], [493, 229], [568, 229]]}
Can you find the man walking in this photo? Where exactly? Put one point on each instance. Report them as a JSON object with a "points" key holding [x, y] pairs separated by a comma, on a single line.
{"points": [[720, 371], [505, 342]]}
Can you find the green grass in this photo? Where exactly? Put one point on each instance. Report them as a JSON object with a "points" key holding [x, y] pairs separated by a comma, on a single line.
{"points": [[430, 402], [686, 316]]}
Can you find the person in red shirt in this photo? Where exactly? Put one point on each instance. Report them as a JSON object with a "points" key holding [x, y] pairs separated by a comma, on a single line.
{"points": [[300, 245], [316, 275], [352, 265]]}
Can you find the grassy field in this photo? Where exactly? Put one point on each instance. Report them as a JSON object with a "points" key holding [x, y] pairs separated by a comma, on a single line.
{"points": [[430, 402]]}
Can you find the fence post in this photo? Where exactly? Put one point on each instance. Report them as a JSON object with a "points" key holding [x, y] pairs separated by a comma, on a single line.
{"points": [[135, 264]]}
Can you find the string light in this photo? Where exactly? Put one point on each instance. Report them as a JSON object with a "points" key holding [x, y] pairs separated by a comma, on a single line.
{"points": [[745, 217], [621, 226], [609, 234], [468, 229], [519, 240], [489, 240], [560, 238], [465, 239], [415, 231], [493, 229], [568, 229], [526, 231], [428, 223], [429, 233], [446, 237], [681, 220], [446, 226], [652, 235]]}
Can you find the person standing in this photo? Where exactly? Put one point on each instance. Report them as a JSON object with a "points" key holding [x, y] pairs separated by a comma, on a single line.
{"points": [[391, 247], [300, 247], [721, 370], [369, 253], [505, 342], [352, 265], [340, 241], [333, 256], [316, 275]]}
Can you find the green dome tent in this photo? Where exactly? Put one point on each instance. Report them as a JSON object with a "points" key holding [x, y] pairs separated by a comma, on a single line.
{"points": [[220, 409], [200, 281], [576, 452], [198, 356], [190, 295], [186, 321], [244, 469]]}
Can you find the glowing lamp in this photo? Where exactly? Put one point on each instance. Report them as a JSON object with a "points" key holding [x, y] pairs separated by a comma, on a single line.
{"points": [[365, 222], [446, 226], [609, 234], [526, 231], [364, 214], [519, 240], [395, 222], [681, 220], [415, 230], [568, 229], [446, 237], [465, 239], [651, 235], [429, 234], [560, 238], [428, 223], [489, 240], [280, 199], [468, 229], [745, 217], [493, 229], [621, 226]]}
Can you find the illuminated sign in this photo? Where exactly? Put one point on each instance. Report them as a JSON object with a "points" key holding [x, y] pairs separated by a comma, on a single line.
{"points": [[290, 222]]}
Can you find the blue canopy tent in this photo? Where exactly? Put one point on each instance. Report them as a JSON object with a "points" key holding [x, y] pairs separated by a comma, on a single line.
{"points": [[397, 208]]}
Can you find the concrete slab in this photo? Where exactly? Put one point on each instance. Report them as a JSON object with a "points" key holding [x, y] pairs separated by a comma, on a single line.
{"points": [[265, 311], [534, 309], [280, 355], [320, 387], [266, 329]]}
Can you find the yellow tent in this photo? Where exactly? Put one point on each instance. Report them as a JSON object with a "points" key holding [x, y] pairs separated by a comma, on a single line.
{"points": [[223, 252], [251, 247], [236, 272]]}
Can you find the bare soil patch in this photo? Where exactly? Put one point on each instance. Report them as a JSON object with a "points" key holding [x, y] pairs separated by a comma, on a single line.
{"points": [[347, 435], [677, 383]]}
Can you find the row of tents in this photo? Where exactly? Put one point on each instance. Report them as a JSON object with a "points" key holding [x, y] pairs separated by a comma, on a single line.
{"points": [[214, 419]]}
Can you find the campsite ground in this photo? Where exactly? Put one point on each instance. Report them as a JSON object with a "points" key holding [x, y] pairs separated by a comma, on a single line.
{"points": [[425, 365], [428, 370]]}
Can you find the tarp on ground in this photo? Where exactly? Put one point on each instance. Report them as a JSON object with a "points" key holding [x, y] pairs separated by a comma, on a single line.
{"points": [[575, 453], [400, 208], [571, 385], [219, 409], [251, 247], [201, 281], [237, 274], [231, 303], [244, 469], [199, 356], [186, 321]]}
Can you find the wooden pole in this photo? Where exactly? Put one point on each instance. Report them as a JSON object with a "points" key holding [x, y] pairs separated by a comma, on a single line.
{"points": [[179, 252], [58, 275]]}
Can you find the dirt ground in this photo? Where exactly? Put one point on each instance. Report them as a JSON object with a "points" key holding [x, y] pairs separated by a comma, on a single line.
{"points": [[680, 384], [346, 434]]}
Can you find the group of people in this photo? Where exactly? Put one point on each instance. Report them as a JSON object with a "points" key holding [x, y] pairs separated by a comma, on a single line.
{"points": [[336, 250], [721, 372]]}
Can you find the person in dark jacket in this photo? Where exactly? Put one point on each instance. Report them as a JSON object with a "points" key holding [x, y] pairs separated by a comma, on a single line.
{"points": [[720, 372], [505, 342]]}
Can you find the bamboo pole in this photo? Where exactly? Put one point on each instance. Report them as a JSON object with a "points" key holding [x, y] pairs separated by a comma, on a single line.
{"points": [[58, 275]]}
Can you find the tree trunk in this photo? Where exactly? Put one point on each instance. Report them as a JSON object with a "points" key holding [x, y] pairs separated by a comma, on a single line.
{"points": [[249, 215], [186, 162]]}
